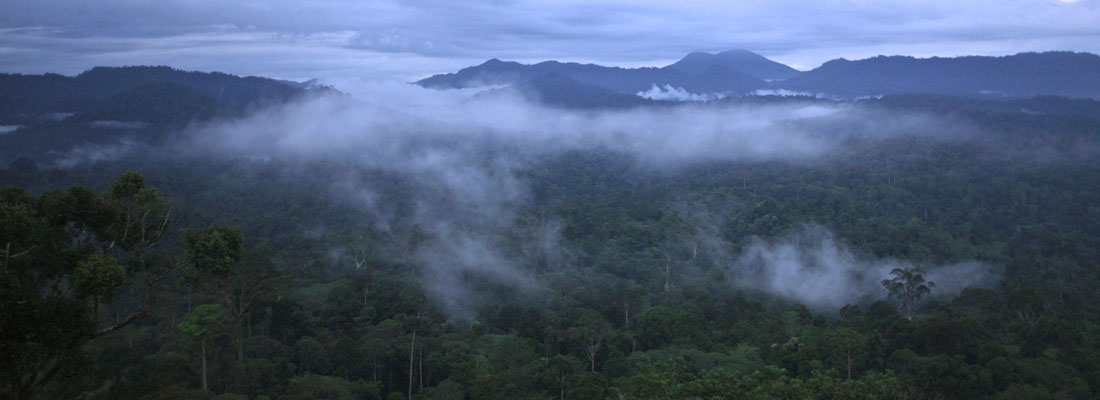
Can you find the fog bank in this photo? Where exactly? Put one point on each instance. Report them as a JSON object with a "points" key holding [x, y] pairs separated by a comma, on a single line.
{"points": [[462, 149], [811, 267]]}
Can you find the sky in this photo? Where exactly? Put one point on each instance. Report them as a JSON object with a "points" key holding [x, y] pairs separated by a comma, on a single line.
{"points": [[404, 40]]}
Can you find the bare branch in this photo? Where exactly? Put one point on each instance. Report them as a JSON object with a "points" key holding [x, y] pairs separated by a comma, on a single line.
{"points": [[133, 317], [19, 254]]}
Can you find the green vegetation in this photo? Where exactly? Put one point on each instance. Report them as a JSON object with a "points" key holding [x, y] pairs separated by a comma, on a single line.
{"points": [[242, 279]]}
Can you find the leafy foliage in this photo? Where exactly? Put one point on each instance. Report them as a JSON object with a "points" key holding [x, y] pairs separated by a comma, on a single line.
{"points": [[214, 250], [908, 287], [303, 297]]}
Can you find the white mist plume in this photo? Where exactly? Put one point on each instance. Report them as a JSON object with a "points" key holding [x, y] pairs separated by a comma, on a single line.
{"points": [[461, 150], [786, 93], [670, 93], [94, 153], [385, 122], [809, 266]]}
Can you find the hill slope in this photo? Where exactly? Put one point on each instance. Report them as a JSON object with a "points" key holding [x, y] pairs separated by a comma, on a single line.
{"points": [[24, 97], [1020, 75], [740, 72], [622, 80], [51, 117]]}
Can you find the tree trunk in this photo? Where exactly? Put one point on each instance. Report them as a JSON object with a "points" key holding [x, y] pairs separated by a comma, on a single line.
{"points": [[412, 348], [204, 364], [849, 366], [591, 349], [239, 341], [562, 395], [668, 275]]}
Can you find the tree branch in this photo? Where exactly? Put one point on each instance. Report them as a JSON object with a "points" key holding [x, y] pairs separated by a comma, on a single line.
{"points": [[22, 253], [40, 384], [164, 274], [133, 317]]}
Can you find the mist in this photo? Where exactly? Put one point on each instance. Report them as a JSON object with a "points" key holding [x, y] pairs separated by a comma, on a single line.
{"points": [[94, 153], [387, 121], [669, 92], [547, 200], [462, 150], [812, 267]]}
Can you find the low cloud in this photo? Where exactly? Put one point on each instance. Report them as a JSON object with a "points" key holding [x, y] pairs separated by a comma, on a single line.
{"points": [[384, 122], [94, 153], [461, 152], [670, 93], [124, 125], [811, 267], [786, 93]]}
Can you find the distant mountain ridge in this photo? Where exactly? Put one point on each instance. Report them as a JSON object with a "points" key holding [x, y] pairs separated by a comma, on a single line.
{"points": [[28, 95], [621, 80], [1020, 75], [740, 72], [106, 107], [59, 120]]}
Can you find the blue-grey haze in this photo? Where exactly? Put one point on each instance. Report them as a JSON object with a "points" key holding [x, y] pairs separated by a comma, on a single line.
{"points": [[340, 40]]}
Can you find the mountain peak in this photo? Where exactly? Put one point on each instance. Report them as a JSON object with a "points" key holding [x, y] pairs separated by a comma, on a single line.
{"points": [[740, 52], [737, 60], [496, 62]]}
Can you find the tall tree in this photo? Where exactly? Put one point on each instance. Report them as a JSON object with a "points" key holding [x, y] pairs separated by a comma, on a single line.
{"points": [[216, 260], [62, 255], [908, 288], [140, 223], [198, 325], [591, 331]]}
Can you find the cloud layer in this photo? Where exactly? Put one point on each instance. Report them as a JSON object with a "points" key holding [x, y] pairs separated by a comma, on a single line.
{"points": [[463, 152], [811, 267], [389, 39]]}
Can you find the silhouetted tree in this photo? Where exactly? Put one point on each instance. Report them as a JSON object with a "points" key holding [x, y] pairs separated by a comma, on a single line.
{"points": [[908, 287]]}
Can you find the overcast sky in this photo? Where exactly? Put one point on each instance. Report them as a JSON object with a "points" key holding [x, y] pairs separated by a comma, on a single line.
{"points": [[406, 40]]}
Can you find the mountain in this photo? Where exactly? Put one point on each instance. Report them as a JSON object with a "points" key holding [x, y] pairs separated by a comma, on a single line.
{"points": [[48, 117], [740, 72], [24, 98], [622, 80], [1021, 75], [561, 91], [1056, 106], [740, 61]]}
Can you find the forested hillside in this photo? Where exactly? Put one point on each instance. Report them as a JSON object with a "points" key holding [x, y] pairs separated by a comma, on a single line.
{"points": [[105, 111], [909, 247], [1025, 74], [739, 72]]}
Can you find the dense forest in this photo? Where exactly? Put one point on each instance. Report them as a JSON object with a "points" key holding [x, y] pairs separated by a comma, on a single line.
{"points": [[929, 269]]}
